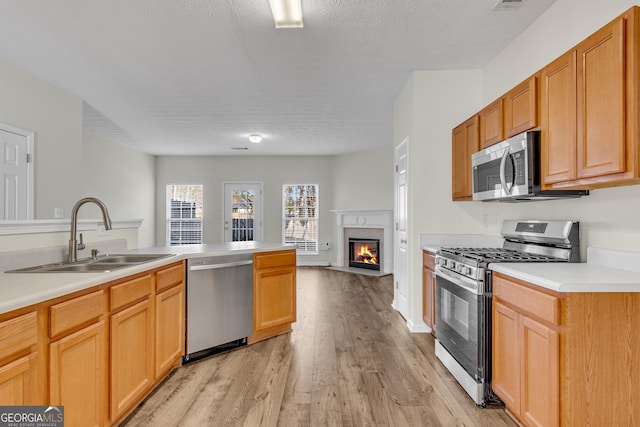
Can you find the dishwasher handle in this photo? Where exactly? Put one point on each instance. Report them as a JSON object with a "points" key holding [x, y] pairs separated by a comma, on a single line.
{"points": [[222, 265]]}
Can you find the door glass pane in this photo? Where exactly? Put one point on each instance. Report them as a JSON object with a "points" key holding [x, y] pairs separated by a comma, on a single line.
{"points": [[242, 215], [455, 313]]}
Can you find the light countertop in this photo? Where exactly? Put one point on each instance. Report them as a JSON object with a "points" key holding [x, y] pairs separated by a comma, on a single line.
{"points": [[19, 290], [606, 270]]}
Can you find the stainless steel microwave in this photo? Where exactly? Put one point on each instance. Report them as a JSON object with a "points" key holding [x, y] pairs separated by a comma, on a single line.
{"points": [[509, 171]]}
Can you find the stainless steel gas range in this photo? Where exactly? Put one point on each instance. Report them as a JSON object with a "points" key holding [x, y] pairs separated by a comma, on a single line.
{"points": [[463, 295]]}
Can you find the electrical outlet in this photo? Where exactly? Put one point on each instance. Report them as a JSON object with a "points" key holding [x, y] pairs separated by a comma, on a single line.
{"points": [[58, 212]]}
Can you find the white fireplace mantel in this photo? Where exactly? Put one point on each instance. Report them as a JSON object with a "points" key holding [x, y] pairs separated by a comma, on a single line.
{"points": [[366, 219]]}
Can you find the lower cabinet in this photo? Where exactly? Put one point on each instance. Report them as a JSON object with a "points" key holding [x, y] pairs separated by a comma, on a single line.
{"points": [[77, 358], [274, 293], [565, 359], [429, 290], [170, 306], [131, 345], [19, 360], [77, 375], [526, 366]]}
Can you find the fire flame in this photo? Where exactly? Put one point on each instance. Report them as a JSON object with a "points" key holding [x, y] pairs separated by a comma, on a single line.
{"points": [[366, 256]]}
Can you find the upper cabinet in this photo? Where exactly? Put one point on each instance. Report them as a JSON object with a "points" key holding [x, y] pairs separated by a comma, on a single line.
{"points": [[589, 105], [465, 142], [585, 104], [491, 124], [521, 107]]}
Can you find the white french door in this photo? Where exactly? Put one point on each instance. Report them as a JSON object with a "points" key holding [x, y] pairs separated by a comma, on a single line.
{"points": [[16, 191], [242, 211]]}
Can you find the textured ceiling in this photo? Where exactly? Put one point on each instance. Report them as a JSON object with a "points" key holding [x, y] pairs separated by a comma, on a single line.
{"points": [[191, 77]]}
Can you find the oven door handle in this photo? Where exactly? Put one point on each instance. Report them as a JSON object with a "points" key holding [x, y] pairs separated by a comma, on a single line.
{"points": [[503, 177], [458, 280]]}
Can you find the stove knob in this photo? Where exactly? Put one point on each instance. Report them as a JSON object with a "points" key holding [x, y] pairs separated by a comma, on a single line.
{"points": [[469, 271]]}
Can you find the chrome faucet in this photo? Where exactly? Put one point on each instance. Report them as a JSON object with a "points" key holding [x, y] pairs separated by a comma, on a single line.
{"points": [[73, 243]]}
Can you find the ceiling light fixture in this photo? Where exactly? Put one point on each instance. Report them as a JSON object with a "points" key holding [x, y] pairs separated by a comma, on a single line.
{"points": [[255, 137], [287, 13]]}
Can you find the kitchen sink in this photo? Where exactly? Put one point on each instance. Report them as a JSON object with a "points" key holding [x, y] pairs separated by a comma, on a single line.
{"points": [[101, 264]]}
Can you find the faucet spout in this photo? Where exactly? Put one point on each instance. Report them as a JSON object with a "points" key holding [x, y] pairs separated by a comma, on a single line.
{"points": [[73, 243]]}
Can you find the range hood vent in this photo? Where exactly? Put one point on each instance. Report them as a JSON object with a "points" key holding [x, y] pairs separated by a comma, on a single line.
{"points": [[508, 5]]}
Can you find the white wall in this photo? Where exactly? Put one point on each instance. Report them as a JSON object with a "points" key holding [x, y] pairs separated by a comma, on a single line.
{"points": [[364, 180], [430, 104], [123, 179], [56, 118], [273, 172], [69, 165], [608, 216]]}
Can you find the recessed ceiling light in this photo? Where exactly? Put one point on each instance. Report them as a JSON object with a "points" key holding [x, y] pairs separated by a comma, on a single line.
{"points": [[287, 13], [255, 137]]}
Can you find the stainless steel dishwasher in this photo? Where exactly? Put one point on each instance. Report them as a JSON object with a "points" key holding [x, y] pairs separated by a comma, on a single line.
{"points": [[219, 303]]}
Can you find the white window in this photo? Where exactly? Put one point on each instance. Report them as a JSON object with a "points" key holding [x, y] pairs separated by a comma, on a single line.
{"points": [[184, 214], [300, 217]]}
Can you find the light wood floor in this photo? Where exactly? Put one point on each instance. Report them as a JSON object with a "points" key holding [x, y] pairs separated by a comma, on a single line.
{"points": [[350, 361]]}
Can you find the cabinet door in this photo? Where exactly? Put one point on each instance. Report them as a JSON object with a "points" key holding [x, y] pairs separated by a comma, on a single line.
{"points": [[131, 355], [169, 328], [491, 124], [18, 381], [274, 297], [429, 315], [601, 102], [521, 107], [465, 142], [558, 120], [78, 375], [505, 373], [540, 373]]}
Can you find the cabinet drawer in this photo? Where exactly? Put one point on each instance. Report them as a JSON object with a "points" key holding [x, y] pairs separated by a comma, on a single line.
{"points": [[538, 304], [428, 260], [18, 334], [128, 292], [69, 314], [169, 277], [274, 259]]}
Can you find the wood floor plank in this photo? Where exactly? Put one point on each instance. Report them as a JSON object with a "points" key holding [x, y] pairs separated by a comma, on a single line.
{"points": [[349, 361]]}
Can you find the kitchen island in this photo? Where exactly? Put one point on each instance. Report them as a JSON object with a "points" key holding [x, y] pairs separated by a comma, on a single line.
{"points": [[99, 343]]}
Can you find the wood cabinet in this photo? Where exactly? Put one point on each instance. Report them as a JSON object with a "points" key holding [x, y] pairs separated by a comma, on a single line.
{"points": [[19, 360], [170, 314], [589, 104], [97, 352], [525, 352], [562, 359], [465, 142], [274, 293], [491, 124], [429, 290], [132, 338], [521, 107], [77, 354]]}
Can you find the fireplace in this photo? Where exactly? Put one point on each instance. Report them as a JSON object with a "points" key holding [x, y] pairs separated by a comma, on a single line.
{"points": [[364, 253]]}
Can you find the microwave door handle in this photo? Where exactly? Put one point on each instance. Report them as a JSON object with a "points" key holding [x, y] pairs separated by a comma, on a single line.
{"points": [[503, 178]]}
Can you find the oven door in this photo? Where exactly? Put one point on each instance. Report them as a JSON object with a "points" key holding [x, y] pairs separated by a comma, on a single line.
{"points": [[458, 314]]}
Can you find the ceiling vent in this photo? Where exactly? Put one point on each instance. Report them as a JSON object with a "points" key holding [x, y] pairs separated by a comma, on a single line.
{"points": [[240, 148], [508, 4]]}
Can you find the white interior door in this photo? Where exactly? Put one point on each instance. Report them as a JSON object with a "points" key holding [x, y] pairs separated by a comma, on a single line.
{"points": [[16, 193], [401, 267], [242, 211]]}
